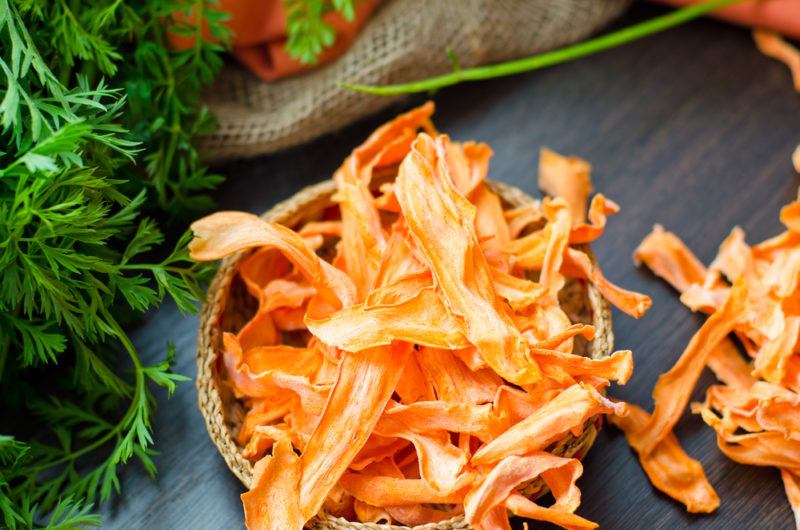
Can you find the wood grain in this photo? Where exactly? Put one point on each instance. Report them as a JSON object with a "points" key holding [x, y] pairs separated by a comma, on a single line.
{"points": [[692, 129]]}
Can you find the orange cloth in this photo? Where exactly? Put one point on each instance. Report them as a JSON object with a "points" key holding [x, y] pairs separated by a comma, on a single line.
{"points": [[782, 16], [259, 28]]}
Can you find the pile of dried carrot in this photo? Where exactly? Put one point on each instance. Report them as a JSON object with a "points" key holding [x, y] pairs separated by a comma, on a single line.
{"points": [[433, 375], [756, 410]]}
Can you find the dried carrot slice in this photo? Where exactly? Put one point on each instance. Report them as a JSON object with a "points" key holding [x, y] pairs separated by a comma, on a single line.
{"points": [[772, 357], [224, 233], [498, 484], [567, 412], [371, 514], [791, 483], [669, 258], [453, 381], [599, 210], [790, 216], [259, 331], [673, 389], [413, 385], [517, 403], [771, 44], [529, 250], [273, 499], [417, 514], [668, 467], [269, 383], [322, 228], [557, 233], [422, 319], [367, 379], [579, 265], [285, 293], [440, 222], [520, 293], [440, 462], [568, 178], [467, 163], [426, 416], [616, 367], [390, 491], [554, 341], [377, 449], [729, 366], [521, 217], [524, 507]]}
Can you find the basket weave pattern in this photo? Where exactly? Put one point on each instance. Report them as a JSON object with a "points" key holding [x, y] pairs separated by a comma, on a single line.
{"points": [[222, 312]]}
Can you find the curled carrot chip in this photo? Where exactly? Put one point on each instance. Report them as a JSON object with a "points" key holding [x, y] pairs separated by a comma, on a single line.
{"points": [[467, 163], [668, 257], [523, 507], [224, 233], [422, 319], [616, 367], [599, 210], [729, 366], [568, 178], [520, 218], [579, 265], [371, 514], [498, 484], [440, 462], [669, 468], [566, 412], [673, 389], [453, 381], [273, 499]]}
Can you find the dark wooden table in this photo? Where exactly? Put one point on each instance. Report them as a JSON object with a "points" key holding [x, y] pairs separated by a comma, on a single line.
{"points": [[692, 129]]}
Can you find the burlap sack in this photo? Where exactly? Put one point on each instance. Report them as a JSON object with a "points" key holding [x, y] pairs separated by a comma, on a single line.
{"points": [[405, 40]]}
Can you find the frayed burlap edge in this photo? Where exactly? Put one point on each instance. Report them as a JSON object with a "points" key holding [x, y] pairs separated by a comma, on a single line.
{"points": [[307, 204]]}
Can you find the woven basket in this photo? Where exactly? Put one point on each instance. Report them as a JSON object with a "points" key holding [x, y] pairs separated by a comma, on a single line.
{"points": [[227, 308]]}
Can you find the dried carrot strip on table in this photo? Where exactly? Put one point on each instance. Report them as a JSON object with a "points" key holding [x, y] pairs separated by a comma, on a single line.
{"points": [[673, 389], [499, 483], [756, 413], [668, 467]]}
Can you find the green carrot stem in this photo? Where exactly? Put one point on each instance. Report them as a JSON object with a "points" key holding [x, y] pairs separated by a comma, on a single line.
{"points": [[561, 55]]}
